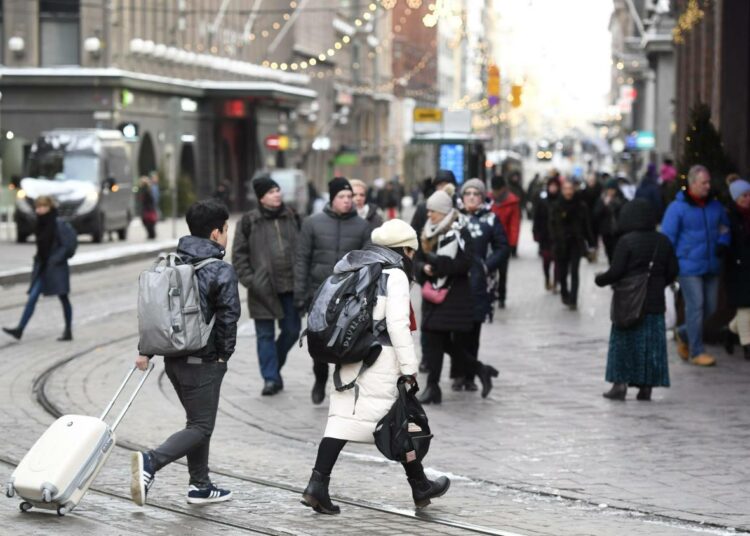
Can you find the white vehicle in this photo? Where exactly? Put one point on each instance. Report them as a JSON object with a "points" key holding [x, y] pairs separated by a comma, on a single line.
{"points": [[89, 174]]}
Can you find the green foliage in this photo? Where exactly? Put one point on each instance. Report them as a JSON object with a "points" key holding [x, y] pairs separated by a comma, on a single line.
{"points": [[185, 196]]}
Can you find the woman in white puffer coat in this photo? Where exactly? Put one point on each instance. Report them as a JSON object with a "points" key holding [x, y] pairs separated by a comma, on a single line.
{"points": [[350, 419]]}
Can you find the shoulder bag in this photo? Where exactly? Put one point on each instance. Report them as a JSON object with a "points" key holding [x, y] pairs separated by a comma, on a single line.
{"points": [[629, 297]]}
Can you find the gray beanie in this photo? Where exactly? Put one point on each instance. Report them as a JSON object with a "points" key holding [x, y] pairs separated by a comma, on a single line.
{"points": [[739, 187], [440, 202], [477, 184]]}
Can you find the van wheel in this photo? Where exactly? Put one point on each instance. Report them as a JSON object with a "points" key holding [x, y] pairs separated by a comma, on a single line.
{"points": [[122, 234], [21, 238], [97, 233]]}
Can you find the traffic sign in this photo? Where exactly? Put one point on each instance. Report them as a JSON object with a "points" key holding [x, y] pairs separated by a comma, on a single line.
{"points": [[428, 115]]}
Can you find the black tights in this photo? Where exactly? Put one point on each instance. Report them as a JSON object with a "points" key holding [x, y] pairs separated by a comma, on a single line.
{"points": [[330, 448]]}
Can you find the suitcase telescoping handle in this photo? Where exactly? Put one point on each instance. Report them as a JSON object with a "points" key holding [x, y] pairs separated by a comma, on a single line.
{"points": [[132, 396]]}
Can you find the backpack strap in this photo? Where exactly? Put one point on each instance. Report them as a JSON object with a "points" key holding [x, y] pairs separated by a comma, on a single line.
{"points": [[204, 262], [352, 384]]}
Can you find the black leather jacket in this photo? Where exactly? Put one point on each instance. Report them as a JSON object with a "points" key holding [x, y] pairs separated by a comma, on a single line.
{"points": [[219, 295]]}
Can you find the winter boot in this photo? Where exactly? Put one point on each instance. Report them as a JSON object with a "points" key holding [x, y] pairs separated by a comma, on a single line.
{"points": [[618, 392], [644, 393], [318, 392], [316, 495], [746, 351], [729, 339], [422, 489], [14, 332], [486, 373], [67, 335], [431, 394]]}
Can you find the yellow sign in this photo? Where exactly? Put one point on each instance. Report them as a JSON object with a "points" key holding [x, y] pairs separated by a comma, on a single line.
{"points": [[428, 115]]}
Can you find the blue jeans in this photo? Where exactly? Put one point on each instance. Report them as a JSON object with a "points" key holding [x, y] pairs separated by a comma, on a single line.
{"points": [[272, 352], [701, 294], [34, 293]]}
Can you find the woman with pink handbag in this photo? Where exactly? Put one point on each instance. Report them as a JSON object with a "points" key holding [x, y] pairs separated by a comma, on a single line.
{"points": [[442, 267]]}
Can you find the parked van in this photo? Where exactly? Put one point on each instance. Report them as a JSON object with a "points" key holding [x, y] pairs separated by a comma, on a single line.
{"points": [[89, 174]]}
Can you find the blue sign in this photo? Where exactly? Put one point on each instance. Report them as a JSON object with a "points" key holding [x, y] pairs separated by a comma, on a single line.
{"points": [[452, 157]]}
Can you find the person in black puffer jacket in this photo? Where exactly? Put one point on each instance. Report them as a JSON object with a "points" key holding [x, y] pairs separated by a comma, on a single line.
{"points": [[324, 239], [541, 229], [638, 355], [197, 378], [443, 264]]}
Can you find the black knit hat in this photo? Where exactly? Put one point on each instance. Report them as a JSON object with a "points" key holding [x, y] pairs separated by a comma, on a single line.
{"points": [[337, 185], [444, 175], [498, 182], [262, 185]]}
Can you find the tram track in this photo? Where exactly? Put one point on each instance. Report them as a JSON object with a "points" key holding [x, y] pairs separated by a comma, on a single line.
{"points": [[42, 398], [40, 394]]}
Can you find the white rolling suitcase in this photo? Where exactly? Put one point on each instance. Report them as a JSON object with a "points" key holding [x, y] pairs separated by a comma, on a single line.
{"points": [[58, 470]]}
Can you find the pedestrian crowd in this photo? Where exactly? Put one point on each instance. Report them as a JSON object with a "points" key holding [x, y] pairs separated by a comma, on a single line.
{"points": [[350, 268]]}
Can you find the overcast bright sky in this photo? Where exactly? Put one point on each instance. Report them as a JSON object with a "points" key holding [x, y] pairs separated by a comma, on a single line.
{"points": [[562, 45]]}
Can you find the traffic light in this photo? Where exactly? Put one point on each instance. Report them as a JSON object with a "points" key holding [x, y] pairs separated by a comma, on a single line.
{"points": [[515, 94]]}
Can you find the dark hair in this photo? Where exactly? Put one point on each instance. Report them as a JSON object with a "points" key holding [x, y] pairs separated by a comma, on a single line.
{"points": [[204, 216]]}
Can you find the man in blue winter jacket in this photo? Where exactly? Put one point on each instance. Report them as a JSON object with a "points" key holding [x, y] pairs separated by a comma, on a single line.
{"points": [[698, 227]]}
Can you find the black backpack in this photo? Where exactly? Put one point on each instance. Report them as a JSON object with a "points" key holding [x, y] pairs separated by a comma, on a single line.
{"points": [[340, 328], [404, 435]]}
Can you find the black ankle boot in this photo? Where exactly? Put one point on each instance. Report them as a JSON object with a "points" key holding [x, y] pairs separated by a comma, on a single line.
{"points": [[318, 392], [66, 336], [486, 373], [618, 392], [316, 495], [422, 489], [746, 351], [458, 384], [644, 393], [729, 339], [14, 332], [431, 394]]}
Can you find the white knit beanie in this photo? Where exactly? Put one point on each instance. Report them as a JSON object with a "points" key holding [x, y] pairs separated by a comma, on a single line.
{"points": [[440, 202], [395, 234]]}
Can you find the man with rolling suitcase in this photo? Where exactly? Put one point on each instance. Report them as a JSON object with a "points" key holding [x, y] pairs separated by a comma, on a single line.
{"points": [[196, 347]]}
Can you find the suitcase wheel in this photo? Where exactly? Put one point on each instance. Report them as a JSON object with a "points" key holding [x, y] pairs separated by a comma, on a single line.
{"points": [[25, 506], [62, 510], [10, 491]]}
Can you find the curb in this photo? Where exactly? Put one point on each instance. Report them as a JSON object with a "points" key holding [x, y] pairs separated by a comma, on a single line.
{"points": [[94, 260]]}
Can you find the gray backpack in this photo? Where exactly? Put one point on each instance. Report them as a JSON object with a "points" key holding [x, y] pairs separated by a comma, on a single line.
{"points": [[170, 320]]}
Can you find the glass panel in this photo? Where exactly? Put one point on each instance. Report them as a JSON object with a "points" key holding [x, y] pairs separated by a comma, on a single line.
{"points": [[59, 42]]}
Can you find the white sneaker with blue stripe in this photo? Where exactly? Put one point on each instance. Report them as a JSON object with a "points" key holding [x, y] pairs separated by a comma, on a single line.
{"points": [[141, 477], [211, 494]]}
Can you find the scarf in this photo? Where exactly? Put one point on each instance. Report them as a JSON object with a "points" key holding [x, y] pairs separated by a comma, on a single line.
{"points": [[363, 212], [46, 228], [744, 218], [270, 213], [701, 202], [444, 239]]}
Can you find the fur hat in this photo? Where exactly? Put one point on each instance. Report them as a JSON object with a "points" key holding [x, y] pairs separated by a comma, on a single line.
{"points": [[395, 234], [440, 202]]}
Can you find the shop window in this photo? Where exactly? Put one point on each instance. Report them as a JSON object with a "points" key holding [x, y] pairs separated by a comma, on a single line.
{"points": [[59, 32]]}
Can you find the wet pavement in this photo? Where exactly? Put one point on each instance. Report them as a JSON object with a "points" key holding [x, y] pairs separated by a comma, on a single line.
{"points": [[544, 454]]}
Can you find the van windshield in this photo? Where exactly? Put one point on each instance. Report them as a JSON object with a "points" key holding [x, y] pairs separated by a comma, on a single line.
{"points": [[61, 166]]}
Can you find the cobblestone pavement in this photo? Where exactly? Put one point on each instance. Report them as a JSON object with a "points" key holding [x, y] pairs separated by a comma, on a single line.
{"points": [[544, 454]]}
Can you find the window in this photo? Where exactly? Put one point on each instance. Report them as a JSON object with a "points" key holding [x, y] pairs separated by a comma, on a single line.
{"points": [[59, 32]]}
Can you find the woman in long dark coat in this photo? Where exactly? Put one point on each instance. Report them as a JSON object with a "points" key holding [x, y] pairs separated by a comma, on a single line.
{"points": [[443, 263], [541, 229], [56, 242], [570, 229], [638, 355], [738, 262]]}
